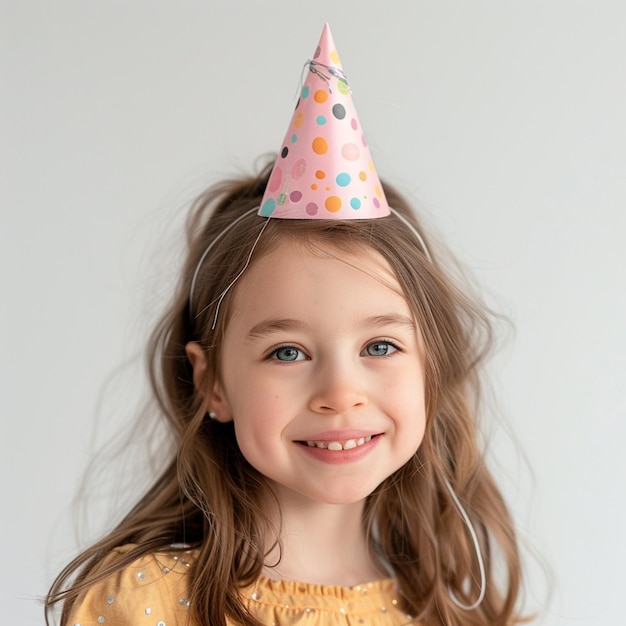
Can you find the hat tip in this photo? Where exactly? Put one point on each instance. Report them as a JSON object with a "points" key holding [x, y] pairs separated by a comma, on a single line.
{"points": [[326, 51]]}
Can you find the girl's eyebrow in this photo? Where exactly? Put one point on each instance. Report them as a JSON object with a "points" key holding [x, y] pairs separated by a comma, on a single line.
{"points": [[275, 325], [390, 319]]}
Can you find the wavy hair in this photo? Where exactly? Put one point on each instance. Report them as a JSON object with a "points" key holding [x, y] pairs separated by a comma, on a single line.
{"points": [[210, 497]]}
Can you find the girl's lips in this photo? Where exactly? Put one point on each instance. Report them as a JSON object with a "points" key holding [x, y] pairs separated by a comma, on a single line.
{"points": [[340, 451], [347, 444]]}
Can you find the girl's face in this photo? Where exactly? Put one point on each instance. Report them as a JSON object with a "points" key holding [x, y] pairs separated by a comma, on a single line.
{"points": [[322, 373]]}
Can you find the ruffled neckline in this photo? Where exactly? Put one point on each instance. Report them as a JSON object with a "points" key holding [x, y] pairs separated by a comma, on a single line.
{"points": [[379, 595]]}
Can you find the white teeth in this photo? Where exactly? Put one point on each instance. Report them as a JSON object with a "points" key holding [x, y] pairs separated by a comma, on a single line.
{"points": [[337, 445]]}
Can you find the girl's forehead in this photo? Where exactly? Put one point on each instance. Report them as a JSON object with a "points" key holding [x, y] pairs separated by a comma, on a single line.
{"points": [[302, 256], [319, 275]]}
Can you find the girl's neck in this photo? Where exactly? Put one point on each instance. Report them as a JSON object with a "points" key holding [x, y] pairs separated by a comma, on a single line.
{"points": [[322, 543]]}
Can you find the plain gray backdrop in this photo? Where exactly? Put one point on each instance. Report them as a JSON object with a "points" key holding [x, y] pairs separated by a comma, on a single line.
{"points": [[504, 121]]}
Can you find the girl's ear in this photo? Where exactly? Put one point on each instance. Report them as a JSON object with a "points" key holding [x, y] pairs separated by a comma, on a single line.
{"points": [[219, 406], [216, 401], [197, 358]]}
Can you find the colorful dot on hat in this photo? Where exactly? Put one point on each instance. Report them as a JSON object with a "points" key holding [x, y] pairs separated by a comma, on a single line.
{"points": [[354, 124], [305, 92], [343, 179], [294, 138], [320, 145], [298, 119], [320, 174], [342, 85], [295, 196], [298, 169], [363, 140], [321, 120], [275, 180], [350, 151], [268, 207], [362, 175], [284, 152], [333, 203], [355, 203], [311, 208], [282, 198], [339, 111], [334, 57], [376, 203], [320, 96]]}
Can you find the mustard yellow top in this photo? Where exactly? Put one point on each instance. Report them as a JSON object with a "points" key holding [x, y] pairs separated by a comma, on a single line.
{"points": [[152, 591]]}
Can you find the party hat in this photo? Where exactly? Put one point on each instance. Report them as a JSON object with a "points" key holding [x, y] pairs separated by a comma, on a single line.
{"points": [[324, 169]]}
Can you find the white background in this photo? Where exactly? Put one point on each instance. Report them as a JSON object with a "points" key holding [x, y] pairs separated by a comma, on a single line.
{"points": [[505, 120]]}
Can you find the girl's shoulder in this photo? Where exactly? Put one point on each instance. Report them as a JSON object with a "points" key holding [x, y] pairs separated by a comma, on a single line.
{"points": [[153, 589], [152, 586]]}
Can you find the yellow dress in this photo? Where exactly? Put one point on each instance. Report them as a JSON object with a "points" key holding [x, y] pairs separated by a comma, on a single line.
{"points": [[152, 591]]}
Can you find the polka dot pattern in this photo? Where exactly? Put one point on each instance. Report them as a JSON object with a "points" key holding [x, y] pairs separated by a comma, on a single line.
{"points": [[339, 111], [275, 180], [324, 169], [333, 203], [343, 87], [350, 151], [343, 179], [298, 170]]}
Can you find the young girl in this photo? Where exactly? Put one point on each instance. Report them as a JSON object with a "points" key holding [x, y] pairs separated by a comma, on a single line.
{"points": [[318, 369]]}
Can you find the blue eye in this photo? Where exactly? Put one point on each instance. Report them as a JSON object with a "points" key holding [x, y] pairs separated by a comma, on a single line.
{"points": [[288, 353], [379, 348]]}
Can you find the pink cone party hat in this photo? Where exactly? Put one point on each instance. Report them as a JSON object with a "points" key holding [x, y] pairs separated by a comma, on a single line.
{"points": [[324, 169]]}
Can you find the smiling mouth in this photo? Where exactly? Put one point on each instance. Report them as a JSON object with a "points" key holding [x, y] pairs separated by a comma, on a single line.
{"points": [[348, 444]]}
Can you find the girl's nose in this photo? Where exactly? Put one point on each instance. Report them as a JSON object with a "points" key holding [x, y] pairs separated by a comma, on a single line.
{"points": [[337, 390]]}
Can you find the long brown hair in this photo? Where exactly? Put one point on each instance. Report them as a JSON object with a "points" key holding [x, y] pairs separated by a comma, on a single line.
{"points": [[210, 496]]}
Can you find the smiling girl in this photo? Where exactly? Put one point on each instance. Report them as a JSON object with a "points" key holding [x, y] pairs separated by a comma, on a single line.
{"points": [[318, 369]]}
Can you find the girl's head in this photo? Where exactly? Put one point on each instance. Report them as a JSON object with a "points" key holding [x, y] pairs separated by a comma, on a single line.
{"points": [[320, 370], [450, 329]]}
